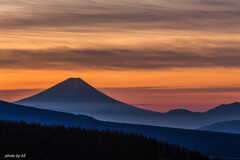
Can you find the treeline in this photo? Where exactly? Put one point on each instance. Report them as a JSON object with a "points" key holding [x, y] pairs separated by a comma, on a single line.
{"points": [[42, 142]]}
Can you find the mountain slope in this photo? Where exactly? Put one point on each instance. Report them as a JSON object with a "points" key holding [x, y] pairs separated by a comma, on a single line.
{"points": [[232, 109], [76, 96], [9, 111], [227, 127], [210, 143], [81, 144]]}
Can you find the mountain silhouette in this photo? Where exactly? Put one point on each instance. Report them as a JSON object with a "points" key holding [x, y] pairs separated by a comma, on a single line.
{"points": [[232, 109], [227, 127], [179, 112], [14, 112], [73, 90], [76, 96], [210, 143]]}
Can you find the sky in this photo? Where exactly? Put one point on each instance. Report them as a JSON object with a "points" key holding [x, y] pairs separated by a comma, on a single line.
{"points": [[154, 54]]}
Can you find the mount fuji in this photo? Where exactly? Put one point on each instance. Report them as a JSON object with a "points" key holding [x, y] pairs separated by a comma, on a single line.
{"points": [[78, 97]]}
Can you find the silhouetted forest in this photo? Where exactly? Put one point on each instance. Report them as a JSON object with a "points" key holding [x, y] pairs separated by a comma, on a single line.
{"points": [[42, 142]]}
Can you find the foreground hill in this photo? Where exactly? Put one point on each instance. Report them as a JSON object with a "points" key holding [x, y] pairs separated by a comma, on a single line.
{"points": [[57, 142], [210, 143], [227, 127], [76, 96]]}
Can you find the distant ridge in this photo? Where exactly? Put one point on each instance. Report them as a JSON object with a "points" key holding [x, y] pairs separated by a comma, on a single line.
{"points": [[210, 143], [226, 109], [74, 95], [179, 112], [226, 127]]}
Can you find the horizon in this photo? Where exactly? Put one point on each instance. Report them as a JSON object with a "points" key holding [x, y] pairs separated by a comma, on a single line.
{"points": [[101, 90], [155, 54]]}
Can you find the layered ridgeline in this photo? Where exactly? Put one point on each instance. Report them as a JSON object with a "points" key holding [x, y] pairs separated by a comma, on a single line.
{"points": [[227, 127], [210, 143], [76, 96], [77, 143]]}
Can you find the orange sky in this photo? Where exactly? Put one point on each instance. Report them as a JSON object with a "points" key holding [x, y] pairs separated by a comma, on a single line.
{"points": [[155, 90], [154, 54]]}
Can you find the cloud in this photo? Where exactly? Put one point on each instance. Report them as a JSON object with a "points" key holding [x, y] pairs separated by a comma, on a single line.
{"points": [[210, 15], [105, 16], [121, 59], [164, 90]]}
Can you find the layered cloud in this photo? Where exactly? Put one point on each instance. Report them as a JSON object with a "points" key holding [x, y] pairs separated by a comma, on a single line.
{"points": [[207, 15], [62, 22], [172, 91], [77, 59]]}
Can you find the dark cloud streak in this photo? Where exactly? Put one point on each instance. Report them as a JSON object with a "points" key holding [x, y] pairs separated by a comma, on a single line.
{"points": [[164, 90], [74, 59], [200, 15]]}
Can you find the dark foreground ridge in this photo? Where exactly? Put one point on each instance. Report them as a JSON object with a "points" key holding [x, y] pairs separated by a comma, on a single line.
{"points": [[209, 143], [41, 142]]}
